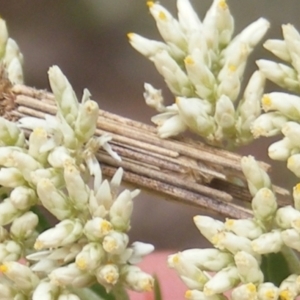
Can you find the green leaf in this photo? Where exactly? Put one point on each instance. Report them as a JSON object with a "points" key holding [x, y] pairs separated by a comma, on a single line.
{"points": [[157, 289], [275, 268]]}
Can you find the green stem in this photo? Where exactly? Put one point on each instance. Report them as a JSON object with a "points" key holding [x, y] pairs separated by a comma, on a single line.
{"points": [[291, 259], [87, 294]]}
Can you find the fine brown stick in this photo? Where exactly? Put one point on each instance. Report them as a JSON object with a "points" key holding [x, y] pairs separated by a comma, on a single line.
{"points": [[180, 169]]}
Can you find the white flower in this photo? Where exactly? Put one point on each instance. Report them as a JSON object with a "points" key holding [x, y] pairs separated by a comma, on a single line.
{"points": [[256, 177], [208, 226], [139, 250], [90, 257], [267, 291], [23, 197], [21, 275], [23, 226], [136, 279], [244, 292], [191, 275], [222, 281], [120, 211], [108, 275], [264, 204], [282, 75], [288, 288], [64, 233], [200, 59], [70, 275], [248, 228], [53, 199], [64, 95], [46, 291], [248, 267], [97, 228]]}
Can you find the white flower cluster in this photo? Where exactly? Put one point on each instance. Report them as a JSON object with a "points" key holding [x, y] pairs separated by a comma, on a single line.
{"points": [[57, 169], [244, 249], [203, 66], [282, 109], [10, 55]]}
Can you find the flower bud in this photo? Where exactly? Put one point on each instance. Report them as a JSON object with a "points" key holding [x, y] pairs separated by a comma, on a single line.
{"points": [[115, 242], [248, 228], [208, 226], [192, 276], [10, 133], [291, 238], [222, 281], [23, 226], [264, 204], [108, 275], [136, 279], [78, 191], [64, 233], [285, 215], [248, 268], [23, 197], [120, 211], [268, 124], [293, 164], [278, 48], [54, 199], [169, 28], [10, 251], [256, 177], [90, 257], [244, 292], [21, 275], [267, 291], [71, 275], [212, 260], [45, 290], [63, 93], [97, 228], [86, 121]]}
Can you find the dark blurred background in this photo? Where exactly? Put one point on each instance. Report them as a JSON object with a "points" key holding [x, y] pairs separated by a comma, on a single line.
{"points": [[87, 40]]}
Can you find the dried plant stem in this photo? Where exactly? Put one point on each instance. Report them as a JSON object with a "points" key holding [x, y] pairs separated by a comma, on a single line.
{"points": [[177, 169]]}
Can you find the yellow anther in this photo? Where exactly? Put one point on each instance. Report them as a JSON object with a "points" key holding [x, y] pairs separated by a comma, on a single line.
{"points": [[147, 285], [105, 227], [38, 245], [297, 188], [229, 222], [40, 131], [162, 16], [130, 35], [150, 4], [176, 259], [251, 288], [223, 4], [285, 295], [189, 60], [291, 161], [188, 294], [266, 101], [270, 294], [81, 263], [3, 268], [232, 68]]}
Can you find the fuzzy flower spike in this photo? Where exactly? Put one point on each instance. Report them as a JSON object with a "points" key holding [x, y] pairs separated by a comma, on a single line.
{"points": [[10, 56], [253, 259], [203, 66], [58, 170]]}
